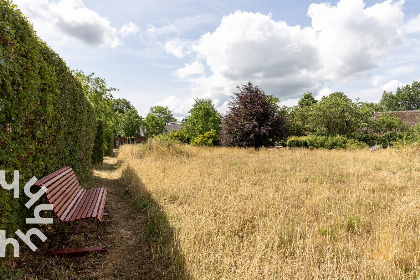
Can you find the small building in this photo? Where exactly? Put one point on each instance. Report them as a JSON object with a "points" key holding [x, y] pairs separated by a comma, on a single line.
{"points": [[130, 140], [410, 118], [173, 126]]}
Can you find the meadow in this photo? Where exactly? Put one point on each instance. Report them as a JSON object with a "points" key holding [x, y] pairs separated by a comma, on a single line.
{"points": [[280, 213]]}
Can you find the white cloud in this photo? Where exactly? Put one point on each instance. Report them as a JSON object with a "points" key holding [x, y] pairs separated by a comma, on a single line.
{"points": [[392, 86], [323, 92], [177, 105], [190, 69], [352, 38], [413, 26], [345, 42], [177, 48], [129, 29], [377, 80], [71, 18]]}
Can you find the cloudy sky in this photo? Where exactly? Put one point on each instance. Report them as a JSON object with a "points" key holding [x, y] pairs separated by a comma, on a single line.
{"points": [[168, 52]]}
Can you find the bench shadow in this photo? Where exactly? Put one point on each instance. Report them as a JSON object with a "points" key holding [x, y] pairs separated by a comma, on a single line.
{"points": [[140, 234]]}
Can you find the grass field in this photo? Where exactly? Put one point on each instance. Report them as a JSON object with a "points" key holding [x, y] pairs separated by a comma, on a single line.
{"points": [[280, 213]]}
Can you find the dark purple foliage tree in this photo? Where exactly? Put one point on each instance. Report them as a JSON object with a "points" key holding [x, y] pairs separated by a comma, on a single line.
{"points": [[253, 119]]}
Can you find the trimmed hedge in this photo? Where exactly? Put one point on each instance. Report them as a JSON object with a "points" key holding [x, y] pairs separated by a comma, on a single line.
{"points": [[324, 142], [98, 144], [46, 122]]}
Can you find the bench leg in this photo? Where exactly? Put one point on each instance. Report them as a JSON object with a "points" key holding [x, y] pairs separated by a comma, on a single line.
{"points": [[79, 227]]}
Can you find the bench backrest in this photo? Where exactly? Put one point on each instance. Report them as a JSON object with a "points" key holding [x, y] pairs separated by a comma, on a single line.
{"points": [[62, 189]]}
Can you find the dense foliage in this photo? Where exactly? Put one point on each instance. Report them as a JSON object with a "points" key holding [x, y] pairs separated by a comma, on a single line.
{"points": [[100, 97], [203, 122], [98, 145], [156, 120], [405, 99], [131, 123], [46, 122], [253, 120]]}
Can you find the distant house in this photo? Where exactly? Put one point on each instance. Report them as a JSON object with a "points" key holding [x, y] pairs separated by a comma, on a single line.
{"points": [[130, 140], [173, 126], [410, 118]]}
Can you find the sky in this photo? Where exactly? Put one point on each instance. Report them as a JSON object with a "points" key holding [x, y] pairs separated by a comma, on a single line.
{"points": [[170, 52]]}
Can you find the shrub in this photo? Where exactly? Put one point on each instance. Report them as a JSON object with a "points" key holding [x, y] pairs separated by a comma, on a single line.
{"points": [[297, 142], [207, 139], [324, 142], [162, 146]]}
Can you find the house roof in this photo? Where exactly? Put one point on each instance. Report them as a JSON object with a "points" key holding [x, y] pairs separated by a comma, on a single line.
{"points": [[410, 118], [173, 126]]}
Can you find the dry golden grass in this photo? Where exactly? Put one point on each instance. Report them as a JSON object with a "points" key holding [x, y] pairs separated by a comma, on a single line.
{"points": [[286, 214]]}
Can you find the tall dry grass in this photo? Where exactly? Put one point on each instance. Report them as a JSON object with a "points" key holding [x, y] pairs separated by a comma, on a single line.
{"points": [[287, 214]]}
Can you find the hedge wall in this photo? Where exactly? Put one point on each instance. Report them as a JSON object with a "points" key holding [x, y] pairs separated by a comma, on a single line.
{"points": [[46, 122]]}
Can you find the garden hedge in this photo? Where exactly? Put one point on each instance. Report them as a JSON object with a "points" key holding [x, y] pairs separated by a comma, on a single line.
{"points": [[46, 122]]}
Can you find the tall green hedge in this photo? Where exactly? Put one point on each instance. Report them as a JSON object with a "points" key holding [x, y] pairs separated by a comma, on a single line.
{"points": [[98, 144], [46, 122]]}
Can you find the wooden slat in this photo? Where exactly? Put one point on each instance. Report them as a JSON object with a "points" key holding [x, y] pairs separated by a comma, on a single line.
{"points": [[102, 207], [89, 209], [83, 205], [72, 207], [55, 178], [59, 192], [58, 185], [67, 198], [48, 177], [98, 203]]}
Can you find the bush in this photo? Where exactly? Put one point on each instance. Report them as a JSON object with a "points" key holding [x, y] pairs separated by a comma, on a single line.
{"points": [[297, 142], [162, 146], [324, 142], [207, 139]]}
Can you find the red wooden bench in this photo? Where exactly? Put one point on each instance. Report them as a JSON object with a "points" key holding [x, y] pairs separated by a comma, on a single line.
{"points": [[73, 203]]}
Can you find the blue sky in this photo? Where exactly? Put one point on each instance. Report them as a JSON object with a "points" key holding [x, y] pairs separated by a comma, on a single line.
{"points": [[170, 52]]}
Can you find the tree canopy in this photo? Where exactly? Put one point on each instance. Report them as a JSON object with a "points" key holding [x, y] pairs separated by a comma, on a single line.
{"points": [[156, 120], [131, 123], [203, 118], [405, 99], [253, 119]]}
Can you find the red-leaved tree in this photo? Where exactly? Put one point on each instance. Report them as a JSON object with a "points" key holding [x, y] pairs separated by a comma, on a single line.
{"points": [[253, 119]]}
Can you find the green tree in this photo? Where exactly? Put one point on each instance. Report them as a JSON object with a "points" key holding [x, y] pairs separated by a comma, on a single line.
{"points": [[253, 120], [299, 115], [307, 100], [130, 123], [405, 99], [336, 114], [156, 120], [100, 97], [121, 105], [203, 118]]}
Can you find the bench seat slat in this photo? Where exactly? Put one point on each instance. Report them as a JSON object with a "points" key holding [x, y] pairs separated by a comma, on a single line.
{"points": [[57, 192], [52, 175], [61, 205], [72, 207], [102, 207], [89, 209], [52, 180], [98, 203], [88, 196]]}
